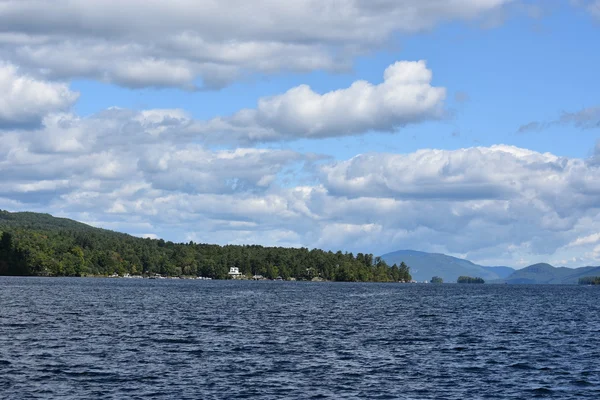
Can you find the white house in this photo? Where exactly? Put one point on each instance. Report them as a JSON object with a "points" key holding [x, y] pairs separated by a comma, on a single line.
{"points": [[234, 272]]}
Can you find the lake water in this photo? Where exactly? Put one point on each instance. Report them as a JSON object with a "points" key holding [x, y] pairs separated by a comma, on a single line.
{"points": [[178, 339]]}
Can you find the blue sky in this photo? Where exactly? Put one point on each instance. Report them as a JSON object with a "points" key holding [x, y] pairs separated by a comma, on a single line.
{"points": [[468, 127]]}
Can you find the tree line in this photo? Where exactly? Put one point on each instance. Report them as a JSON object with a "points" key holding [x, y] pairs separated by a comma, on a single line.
{"points": [[469, 279], [41, 245], [589, 280]]}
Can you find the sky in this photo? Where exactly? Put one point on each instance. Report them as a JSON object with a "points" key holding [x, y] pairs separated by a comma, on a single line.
{"points": [[465, 127]]}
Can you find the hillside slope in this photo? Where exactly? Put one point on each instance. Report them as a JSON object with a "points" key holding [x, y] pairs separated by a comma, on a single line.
{"points": [[40, 244], [39, 221]]}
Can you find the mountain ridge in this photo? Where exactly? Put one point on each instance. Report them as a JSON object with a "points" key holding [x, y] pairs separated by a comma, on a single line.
{"points": [[544, 273], [425, 265]]}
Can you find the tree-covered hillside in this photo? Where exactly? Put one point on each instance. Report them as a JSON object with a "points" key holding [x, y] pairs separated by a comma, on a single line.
{"points": [[39, 244]]}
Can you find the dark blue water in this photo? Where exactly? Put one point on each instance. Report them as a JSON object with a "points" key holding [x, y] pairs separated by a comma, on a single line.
{"points": [[164, 339]]}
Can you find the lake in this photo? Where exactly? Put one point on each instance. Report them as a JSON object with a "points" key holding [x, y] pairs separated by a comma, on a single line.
{"points": [[74, 338]]}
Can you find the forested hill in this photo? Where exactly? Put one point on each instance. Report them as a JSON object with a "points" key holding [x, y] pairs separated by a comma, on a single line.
{"points": [[40, 244], [38, 221]]}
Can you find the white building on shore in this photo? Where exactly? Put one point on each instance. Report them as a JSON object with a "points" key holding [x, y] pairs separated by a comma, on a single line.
{"points": [[234, 273]]}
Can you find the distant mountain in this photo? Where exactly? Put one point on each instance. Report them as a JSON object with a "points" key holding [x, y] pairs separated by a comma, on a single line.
{"points": [[547, 274], [424, 266]]}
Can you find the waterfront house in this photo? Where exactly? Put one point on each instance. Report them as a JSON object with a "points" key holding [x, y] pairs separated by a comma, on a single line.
{"points": [[234, 273]]}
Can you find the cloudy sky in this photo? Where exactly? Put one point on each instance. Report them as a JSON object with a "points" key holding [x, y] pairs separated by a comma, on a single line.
{"points": [[468, 127]]}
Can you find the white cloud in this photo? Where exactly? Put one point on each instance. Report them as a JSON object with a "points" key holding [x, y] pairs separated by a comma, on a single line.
{"points": [[132, 171], [492, 173], [139, 43], [195, 169], [25, 100], [582, 241], [111, 128], [129, 153], [405, 96]]}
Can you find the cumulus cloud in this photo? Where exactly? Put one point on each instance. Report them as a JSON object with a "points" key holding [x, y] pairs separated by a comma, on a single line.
{"points": [[195, 169], [103, 172], [110, 128], [186, 43], [476, 200], [25, 100], [581, 241], [134, 173], [405, 96], [104, 159], [473, 173]]}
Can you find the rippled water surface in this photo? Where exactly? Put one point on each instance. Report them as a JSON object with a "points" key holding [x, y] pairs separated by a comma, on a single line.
{"points": [[179, 339]]}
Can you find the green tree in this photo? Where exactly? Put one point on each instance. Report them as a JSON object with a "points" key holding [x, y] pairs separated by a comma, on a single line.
{"points": [[404, 272], [469, 279], [40, 244]]}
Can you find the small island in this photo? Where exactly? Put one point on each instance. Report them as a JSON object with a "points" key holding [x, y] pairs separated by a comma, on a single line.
{"points": [[589, 280], [469, 279], [437, 279]]}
